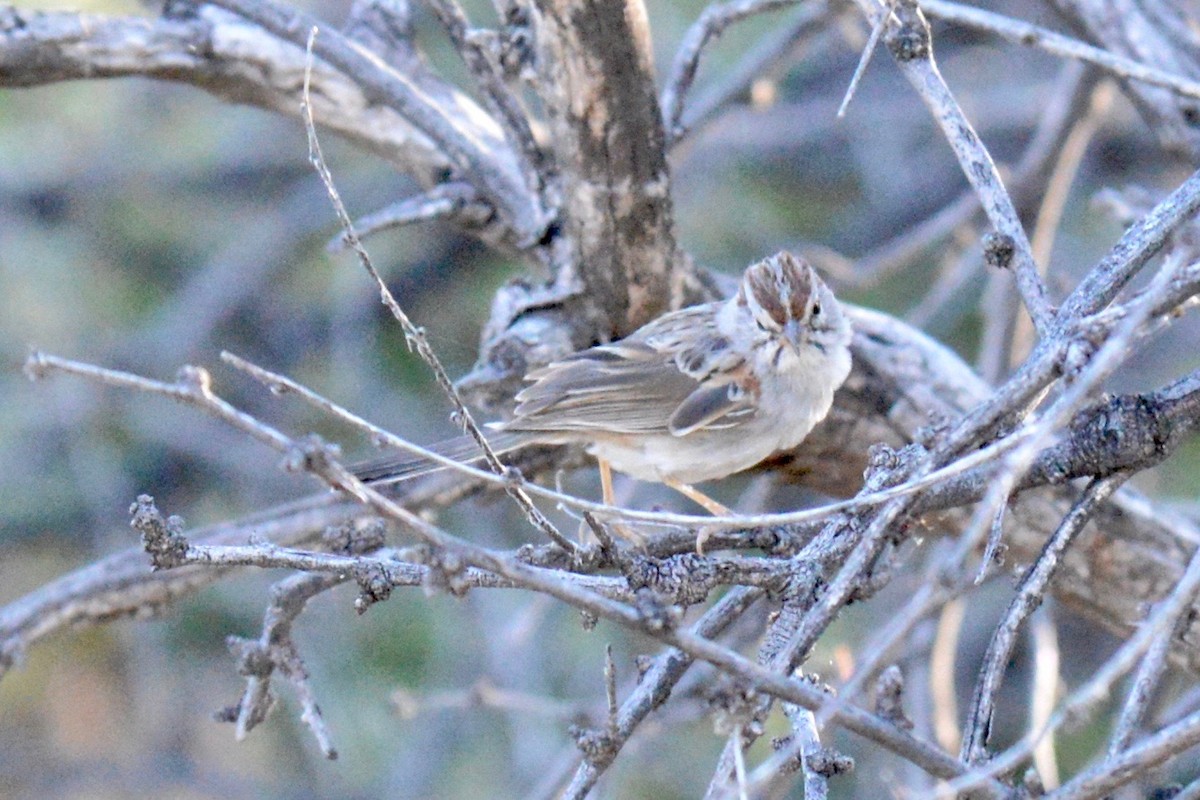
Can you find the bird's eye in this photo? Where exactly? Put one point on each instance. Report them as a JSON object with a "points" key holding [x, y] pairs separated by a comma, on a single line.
{"points": [[816, 309]]}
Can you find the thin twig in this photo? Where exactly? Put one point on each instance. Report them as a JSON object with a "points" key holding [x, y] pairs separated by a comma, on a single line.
{"points": [[1054, 201], [1081, 702], [1137, 245], [192, 387], [816, 763], [655, 686], [1102, 780], [315, 457], [413, 335], [943, 305], [457, 201], [913, 50], [398, 573], [476, 148], [945, 581], [1039, 434], [1000, 308], [1142, 687], [811, 18], [1030, 594], [1030, 35], [712, 23], [808, 738], [484, 694], [610, 687], [276, 650], [877, 29], [504, 103], [1043, 693], [1062, 106]]}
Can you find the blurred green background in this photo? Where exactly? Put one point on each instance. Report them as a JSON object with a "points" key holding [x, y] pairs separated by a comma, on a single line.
{"points": [[145, 225]]}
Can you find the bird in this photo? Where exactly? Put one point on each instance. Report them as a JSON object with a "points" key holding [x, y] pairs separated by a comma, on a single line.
{"points": [[694, 395]]}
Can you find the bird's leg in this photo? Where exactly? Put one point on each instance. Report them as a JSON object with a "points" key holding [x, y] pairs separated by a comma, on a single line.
{"points": [[699, 497], [606, 484], [609, 498]]}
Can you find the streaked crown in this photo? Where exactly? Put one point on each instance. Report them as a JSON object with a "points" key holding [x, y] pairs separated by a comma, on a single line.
{"points": [[779, 289], [787, 299]]}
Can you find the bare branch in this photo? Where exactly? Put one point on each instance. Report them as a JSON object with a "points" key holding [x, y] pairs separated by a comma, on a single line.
{"points": [[1029, 596], [810, 19], [1142, 686], [455, 201], [218, 52], [708, 28], [912, 47], [476, 149], [1137, 245], [654, 688], [413, 335], [1099, 781], [275, 650], [1160, 35], [504, 103], [1164, 617], [1030, 35], [1063, 106], [122, 586]]}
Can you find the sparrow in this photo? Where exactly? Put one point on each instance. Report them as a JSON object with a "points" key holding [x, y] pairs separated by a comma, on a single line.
{"points": [[694, 395]]}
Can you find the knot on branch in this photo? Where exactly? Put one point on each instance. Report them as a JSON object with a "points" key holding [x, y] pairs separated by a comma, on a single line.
{"points": [[781, 744], [686, 579], [656, 614], [1122, 432], [513, 479], [736, 705], [197, 381], [780, 541], [828, 762], [253, 658], [163, 540], [1078, 355], [889, 467], [824, 761], [597, 746], [311, 454], [253, 707], [36, 366], [374, 586], [889, 698], [911, 39], [353, 538], [802, 588], [233, 714], [446, 573], [998, 250], [587, 559]]}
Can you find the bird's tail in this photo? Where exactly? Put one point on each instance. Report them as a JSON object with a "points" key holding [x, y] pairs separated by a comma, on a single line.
{"points": [[401, 467]]}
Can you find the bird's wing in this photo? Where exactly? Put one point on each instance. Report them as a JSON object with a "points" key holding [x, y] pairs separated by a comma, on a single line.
{"points": [[666, 378]]}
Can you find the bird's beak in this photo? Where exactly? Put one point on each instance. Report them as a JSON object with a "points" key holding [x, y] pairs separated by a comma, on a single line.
{"points": [[793, 331]]}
